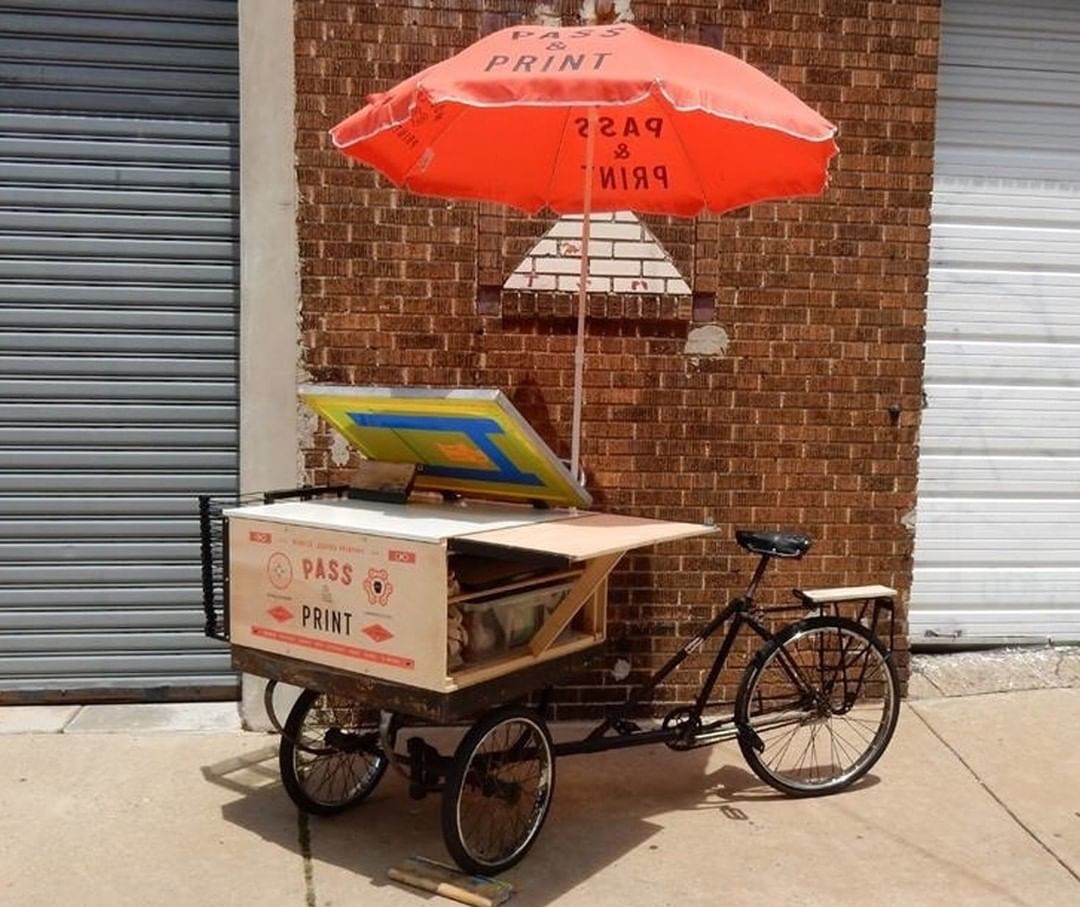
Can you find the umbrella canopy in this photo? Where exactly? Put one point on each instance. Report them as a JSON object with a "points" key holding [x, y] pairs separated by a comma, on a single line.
{"points": [[679, 128], [601, 118]]}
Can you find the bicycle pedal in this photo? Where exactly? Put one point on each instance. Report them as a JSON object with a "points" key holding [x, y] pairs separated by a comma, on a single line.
{"points": [[626, 727]]}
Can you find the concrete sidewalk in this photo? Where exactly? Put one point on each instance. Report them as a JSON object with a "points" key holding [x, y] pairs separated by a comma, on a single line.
{"points": [[977, 801]]}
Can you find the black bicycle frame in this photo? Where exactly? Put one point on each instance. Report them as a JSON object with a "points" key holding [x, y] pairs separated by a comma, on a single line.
{"points": [[739, 612], [427, 768]]}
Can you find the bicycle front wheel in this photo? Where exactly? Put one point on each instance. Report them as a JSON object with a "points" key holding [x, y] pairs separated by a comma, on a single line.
{"points": [[330, 757], [817, 706], [499, 789]]}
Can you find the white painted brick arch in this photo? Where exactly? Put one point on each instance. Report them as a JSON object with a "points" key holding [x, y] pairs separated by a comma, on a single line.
{"points": [[624, 257]]}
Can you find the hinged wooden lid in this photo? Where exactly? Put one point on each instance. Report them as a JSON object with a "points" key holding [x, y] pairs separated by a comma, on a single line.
{"points": [[587, 535]]}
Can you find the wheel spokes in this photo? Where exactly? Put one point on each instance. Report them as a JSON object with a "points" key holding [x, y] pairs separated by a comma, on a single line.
{"points": [[332, 776], [820, 706], [503, 795]]}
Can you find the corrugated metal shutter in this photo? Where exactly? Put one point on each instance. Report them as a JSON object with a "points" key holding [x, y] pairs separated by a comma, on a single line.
{"points": [[997, 551], [118, 359]]}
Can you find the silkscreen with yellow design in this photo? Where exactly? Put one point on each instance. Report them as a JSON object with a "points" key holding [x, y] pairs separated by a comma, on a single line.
{"points": [[470, 442]]}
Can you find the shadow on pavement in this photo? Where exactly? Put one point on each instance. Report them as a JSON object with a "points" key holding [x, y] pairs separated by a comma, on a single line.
{"points": [[605, 806]]}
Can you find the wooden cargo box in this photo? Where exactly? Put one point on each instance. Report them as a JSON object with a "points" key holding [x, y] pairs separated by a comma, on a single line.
{"points": [[382, 590]]}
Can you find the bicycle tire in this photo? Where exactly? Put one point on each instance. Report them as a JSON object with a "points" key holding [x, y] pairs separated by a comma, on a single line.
{"points": [[488, 781], [822, 674], [319, 778]]}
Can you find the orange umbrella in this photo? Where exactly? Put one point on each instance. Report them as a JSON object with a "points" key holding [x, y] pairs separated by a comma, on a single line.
{"points": [[601, 118]]}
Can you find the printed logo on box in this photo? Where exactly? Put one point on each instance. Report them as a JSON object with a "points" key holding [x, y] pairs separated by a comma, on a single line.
{"points": [[331, 569], [401, 557], [280, 613], [378, 587], [377, 632], [279, 570], [260, 538]]}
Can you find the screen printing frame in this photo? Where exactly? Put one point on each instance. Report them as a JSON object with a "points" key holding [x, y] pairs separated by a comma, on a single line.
{"points": [[466, 441]]}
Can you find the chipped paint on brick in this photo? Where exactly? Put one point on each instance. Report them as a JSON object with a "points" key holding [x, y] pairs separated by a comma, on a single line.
{"points": [[546, 14], [604, 12], [624, 257], [340, 452], [307, 424], [707, 340]]}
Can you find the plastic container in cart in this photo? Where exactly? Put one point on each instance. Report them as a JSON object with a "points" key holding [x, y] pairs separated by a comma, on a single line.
{"points": [[498, 624]]}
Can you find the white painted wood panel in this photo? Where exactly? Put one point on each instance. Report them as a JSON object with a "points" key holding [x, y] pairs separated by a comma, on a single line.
{"points": [[421, 522]]}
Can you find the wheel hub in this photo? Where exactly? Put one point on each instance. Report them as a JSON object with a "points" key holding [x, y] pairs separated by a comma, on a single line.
{"points": [[347, 742]]}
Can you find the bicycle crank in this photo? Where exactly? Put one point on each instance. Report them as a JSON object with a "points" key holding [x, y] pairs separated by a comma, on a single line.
{"points": [[682, 720]]}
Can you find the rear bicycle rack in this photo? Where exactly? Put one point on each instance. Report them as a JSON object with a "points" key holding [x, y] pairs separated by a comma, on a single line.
{"points": [[873, 607]]}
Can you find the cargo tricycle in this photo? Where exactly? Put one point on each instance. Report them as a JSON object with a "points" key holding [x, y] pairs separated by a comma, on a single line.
{"points": [[459, 578]]}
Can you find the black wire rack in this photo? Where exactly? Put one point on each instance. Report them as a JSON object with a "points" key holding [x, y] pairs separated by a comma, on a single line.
{"points": [[214, 545]]}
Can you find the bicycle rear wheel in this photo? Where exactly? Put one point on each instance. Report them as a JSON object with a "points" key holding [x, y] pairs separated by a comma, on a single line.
{"points": [[817, 706]]}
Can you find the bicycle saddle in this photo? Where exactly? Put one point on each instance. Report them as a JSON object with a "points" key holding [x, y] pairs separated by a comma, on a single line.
{"points": [[775, 544]]}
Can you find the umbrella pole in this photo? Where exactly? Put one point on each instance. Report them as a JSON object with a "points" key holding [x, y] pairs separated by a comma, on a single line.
{"points": [[583, 282]]}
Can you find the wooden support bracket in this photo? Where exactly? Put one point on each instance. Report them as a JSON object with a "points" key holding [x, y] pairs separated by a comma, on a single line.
{"points": [[594, 574]]}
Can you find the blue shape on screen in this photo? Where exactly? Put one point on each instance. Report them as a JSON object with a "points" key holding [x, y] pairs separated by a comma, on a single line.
{"points": [[478, 430]]}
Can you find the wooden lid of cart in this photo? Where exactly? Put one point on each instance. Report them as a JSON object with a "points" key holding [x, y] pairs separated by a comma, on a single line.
{"points": [[350, 594]]}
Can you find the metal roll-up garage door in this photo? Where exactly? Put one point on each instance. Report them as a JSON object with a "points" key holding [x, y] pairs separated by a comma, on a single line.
{"points": [[118, 357], [997, 550]]}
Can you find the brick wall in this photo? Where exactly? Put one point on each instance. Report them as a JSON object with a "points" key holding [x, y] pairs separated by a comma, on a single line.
{"points": [[804, 411]]}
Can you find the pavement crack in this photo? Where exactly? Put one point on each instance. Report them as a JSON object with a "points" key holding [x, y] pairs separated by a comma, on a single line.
{"points": [[930, 681], [71, 718], [303, 827], [974, 774]]}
